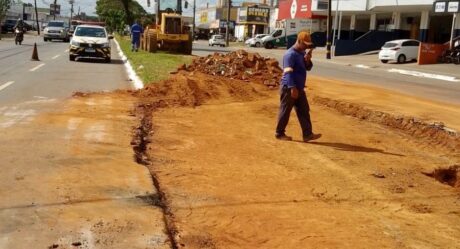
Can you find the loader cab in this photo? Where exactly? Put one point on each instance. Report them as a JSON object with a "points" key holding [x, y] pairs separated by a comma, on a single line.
{"points": [[171, 24]]}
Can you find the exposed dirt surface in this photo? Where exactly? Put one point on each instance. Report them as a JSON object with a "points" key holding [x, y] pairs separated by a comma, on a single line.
{"points": [[228, 183], [449, 176]]}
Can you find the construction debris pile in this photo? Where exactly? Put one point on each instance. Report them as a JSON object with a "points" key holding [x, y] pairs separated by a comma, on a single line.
{"points": [[249, 67]]}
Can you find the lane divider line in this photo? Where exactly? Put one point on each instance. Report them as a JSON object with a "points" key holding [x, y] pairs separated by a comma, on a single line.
{"points": [[37, 67], [424, 75], [7, 84], [56, 56]]}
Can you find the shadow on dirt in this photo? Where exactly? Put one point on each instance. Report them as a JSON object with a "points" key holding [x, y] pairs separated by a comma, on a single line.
{"points": [[356, 148]]}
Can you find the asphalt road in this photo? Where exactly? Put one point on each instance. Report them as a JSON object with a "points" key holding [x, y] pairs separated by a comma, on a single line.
{"points": [[54, 76], [432, 89]]}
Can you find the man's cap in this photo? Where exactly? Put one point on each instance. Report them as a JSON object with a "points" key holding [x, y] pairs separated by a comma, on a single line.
{"points": [[304, 37]]}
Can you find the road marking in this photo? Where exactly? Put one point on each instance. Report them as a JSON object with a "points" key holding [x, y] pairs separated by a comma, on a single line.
{"points": [[56, 56], [37, 67], [424, 75], [7, 84], [66, 51], [362, 66]]}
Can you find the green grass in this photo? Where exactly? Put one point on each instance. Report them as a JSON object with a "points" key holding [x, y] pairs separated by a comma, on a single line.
{"points": [[152, 67]]}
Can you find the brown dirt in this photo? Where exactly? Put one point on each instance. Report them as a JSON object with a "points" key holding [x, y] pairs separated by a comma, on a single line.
{"points": [[227, 183], [249, 67]]}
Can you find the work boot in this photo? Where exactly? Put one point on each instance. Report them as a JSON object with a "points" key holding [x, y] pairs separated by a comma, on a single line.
{"points": [[283, 137], [311, 137]]}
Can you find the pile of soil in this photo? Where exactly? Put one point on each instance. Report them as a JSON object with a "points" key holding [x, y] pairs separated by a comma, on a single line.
{"points": [[190, 89], [249, 67]]}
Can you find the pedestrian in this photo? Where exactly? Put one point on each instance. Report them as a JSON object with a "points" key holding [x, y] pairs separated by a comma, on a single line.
{"points": [[136, 33], [296, 62]]}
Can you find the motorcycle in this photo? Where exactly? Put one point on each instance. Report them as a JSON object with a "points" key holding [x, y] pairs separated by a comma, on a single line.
{"points": [[19, 36]]}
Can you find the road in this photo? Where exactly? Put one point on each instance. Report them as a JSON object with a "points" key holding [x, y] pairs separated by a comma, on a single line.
{"points": [[54, 76], [341, 69]]}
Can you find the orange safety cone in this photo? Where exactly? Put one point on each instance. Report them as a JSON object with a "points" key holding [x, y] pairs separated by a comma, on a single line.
{"points": [[35, 53]]}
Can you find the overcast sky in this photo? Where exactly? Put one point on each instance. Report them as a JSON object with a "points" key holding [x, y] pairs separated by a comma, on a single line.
{"points": [[89, 6]]}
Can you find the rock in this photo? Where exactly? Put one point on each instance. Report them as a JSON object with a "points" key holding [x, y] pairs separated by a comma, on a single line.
{"points": [[378, 175]]}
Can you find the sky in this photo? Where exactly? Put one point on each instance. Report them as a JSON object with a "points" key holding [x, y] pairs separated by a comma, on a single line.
{"points": [[89, 6]]}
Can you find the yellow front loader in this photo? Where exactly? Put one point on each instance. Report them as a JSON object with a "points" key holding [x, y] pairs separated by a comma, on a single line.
{"points": [[169, 33]]}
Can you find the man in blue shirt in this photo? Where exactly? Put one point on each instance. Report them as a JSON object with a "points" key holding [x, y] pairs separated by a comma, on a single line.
{"points": [[296, 63], [136, 32]]}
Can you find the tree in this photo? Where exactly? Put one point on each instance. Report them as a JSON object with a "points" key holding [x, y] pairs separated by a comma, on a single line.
{"points": [[118, 13], [4, 6]]}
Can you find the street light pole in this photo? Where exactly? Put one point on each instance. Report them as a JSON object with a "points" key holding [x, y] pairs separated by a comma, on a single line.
{"points": [[194, 16], [71, 12], [36, 17], [227, 30], [54, 13], [329, 31]]}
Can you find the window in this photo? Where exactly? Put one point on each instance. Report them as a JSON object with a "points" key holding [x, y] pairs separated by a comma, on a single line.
{"points": [[390, 45], [90, 32], [410, 44], [56, 24], [277, 33]]}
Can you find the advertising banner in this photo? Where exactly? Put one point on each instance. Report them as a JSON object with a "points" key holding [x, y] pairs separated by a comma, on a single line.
{"points": [[260, 15], [293, 9]]}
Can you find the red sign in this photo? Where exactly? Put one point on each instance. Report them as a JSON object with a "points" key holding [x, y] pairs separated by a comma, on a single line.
{"points": [[292, 9], [429, 53]]}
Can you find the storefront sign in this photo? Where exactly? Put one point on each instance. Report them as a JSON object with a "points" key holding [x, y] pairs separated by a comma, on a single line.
{"points": [[254, 15], [446, 6], [204, 17], [452, 7], [292, 9]]}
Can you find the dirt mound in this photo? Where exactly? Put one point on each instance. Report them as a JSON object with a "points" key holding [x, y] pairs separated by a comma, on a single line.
{"points": [[239, 65], [193, 89], [449, 176], [432, 133]]}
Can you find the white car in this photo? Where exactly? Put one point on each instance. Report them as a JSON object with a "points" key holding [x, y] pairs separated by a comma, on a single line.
{"points": [[217, 40], [255, 41], [399, 51], [90, 41]]}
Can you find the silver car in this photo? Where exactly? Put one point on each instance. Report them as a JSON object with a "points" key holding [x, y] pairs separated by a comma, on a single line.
{"points": [[56, 30]]}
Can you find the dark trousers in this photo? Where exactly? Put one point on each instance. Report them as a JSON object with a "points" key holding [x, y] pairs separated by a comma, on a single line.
{"points": [[301, 108]]}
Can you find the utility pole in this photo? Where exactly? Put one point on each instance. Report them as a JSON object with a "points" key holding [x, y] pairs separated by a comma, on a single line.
{"points": [[71, 12], [54, 13], [329, 31], [193, 22], [36, 17], [227, 30]]}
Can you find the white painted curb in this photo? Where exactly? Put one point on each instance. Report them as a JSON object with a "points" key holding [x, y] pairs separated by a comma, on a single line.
{"points": [[137, 82]]}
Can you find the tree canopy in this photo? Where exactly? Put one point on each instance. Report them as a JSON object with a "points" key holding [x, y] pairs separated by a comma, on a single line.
{"points": [[118, 13]]}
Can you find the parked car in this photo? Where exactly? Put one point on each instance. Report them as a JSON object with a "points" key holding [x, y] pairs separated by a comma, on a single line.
{"points": [[56, 30], [89, 41], [8, 26], [217, 40], [256, 41], [399, 51]]}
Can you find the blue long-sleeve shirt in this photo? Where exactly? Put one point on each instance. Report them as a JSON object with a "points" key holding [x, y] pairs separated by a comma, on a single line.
{"points": [[136, 31], [295, 69]]}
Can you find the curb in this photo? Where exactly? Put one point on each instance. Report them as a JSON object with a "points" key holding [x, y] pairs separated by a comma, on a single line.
{"points": [[132, 75]]}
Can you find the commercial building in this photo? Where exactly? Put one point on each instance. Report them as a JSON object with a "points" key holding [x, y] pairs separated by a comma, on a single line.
{"points": [[367, 24]]}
